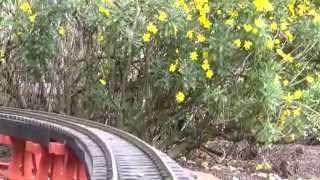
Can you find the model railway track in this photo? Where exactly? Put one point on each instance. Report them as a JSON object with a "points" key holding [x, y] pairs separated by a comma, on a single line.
{"points": [[107, 152]]}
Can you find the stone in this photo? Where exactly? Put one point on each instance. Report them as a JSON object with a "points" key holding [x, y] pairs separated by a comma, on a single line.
{"points": [[201, 176]]}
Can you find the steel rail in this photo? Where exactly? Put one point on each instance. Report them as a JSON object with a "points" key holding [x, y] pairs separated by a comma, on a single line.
{"points": [[161, 163], [108, 165]]}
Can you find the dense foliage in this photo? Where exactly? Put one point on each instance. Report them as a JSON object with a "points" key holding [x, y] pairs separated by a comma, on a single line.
{"points": [[172, 72]]}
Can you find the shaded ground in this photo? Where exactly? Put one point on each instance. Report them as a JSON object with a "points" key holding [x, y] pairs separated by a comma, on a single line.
{"points": [[221, 159], [4, 153], [226, 160]]}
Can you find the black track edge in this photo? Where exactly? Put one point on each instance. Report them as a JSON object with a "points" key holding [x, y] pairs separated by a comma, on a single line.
{"points": [[43, 135]]}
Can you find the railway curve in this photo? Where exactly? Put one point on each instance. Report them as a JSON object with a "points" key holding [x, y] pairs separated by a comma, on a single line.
{"points": [[106, 152]]}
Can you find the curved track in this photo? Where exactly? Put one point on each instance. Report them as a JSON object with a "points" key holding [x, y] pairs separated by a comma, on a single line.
{"points": [[107, 152]]}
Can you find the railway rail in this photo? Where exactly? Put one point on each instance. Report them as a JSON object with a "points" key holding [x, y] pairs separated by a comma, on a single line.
{"points": [[74, 148]]}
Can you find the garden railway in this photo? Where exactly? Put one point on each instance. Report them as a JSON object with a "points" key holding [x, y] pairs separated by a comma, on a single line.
{"points": [[106, 152], [226, 87]]}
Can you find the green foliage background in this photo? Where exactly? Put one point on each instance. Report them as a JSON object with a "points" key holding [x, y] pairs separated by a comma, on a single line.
{"points": [[89, 59]]}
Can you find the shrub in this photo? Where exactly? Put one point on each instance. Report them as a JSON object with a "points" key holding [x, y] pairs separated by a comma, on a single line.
{"points": [[177, 69]]}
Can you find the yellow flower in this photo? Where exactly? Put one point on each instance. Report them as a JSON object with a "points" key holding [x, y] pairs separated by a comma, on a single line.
{"points": [[189, 17], [302, 9], [274, 26], [309, 79], [297, 94], [277, 78], [177, 50], [289, 35], [296, 112], [176, 30], [2, 58], [291, 9], [259, 23], [179, 3], [316, 19], [26, 8], [201, 38], [104, 11], [247, 27], [291, 19], [32, 18], [103, 82], [203, 8], [233, 13], [255, 31], [163, 17], [106, 1], [237, 43], [287, 112], [172, 67], [277, 41], [247, 45], [284, 26], [285, 57], [267, 166], [312, 12], [61, 31], [270, 43], [205, 54], [259, 167], [229, 22], [194, 56], [186, 8], [146, 37], [204, 21], [263, 5], [152, 28], [284, 115], [209, 74], [264, 167], [205, 65], [288, 57], [100, 38], [285, 82], [180, 97], [190, 34], [289, 98]]}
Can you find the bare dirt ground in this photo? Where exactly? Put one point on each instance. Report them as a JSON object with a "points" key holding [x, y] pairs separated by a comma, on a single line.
{"points": [[225, 160], [220, 159]]}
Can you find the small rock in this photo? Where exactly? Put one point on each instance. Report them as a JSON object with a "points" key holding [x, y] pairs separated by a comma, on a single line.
{"points": [[240, 169], [232, 168], [264, 175], [205, 165], [189, 162], [201, 176], [215, 168], [183, 158], [299, 150], [274, 177]]}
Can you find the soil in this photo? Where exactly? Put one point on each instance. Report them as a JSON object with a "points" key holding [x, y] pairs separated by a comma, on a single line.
{"points": [[220, 159], [226, 160]]}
